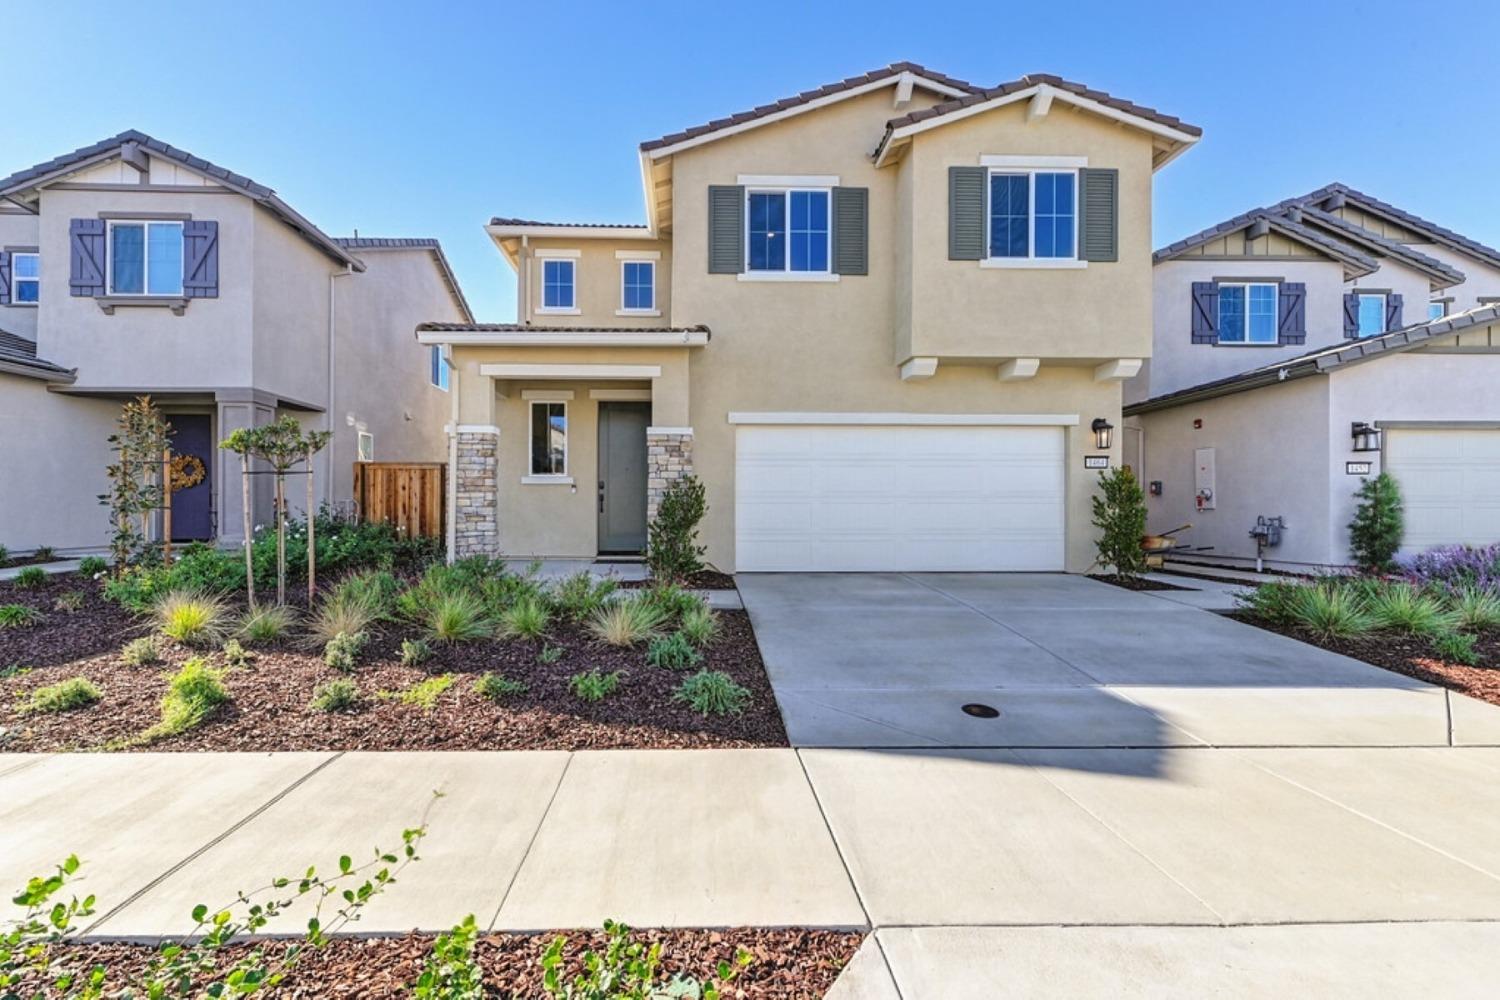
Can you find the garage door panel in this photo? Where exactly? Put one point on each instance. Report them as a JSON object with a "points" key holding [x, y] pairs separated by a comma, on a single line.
{"points": [[1450, 482]]}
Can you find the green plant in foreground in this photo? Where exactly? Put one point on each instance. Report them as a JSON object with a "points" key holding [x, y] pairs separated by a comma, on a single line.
{"points": [[1330, 611], [237, 656], [672, 550], [342, 651], [64, 696], [1120, 517], [712, 692], [423, 694], [1274, 601], [192, 695], [457, 617], [1456, 647], [549, 654], [1407, 608], [594, 686], [92, 566], [266, 624], [1379, 524], [580, 595], [191, 617], [44, 554], [415, 652], [347, 612], [452, 972], [142, 652], [672, 601], [700, 625], [339, 695], [31, 578], [18, 616], [4, 555], [70, 601], [374, 589], [673, 651], [626, 622], [498, 687], [525, 619], [629, 970], [26, 944], [1477, 608]]}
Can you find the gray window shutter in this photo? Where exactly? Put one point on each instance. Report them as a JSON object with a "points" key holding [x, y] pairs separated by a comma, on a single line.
{"points": [[86, 250], [726, 229], [1099, 214], [4, 279], [1393, 312], [1351, 315], [1205, 312], [966, 197], [1291, 309], [851, 230], [200, 259]]}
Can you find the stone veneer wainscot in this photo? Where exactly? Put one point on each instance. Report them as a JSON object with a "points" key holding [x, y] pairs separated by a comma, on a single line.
{"points": [[669, 457], [476, 529]]}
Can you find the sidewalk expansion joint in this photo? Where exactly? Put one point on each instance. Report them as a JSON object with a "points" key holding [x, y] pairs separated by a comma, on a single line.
{"points": [[833, 838], [511, 882]]}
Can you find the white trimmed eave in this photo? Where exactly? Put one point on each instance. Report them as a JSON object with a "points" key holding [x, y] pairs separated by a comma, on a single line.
{"points": [[905, 419], [583, 338]]}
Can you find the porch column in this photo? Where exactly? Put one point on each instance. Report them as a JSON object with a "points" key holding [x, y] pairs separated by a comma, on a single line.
{"points": [[476, 515], [237, 408], [669, 457]]}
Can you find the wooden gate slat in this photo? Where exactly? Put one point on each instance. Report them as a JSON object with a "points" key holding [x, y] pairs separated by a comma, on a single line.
{"points": [[408, 495]]}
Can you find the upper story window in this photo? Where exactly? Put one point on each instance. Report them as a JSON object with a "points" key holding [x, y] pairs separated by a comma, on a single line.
{"points": [[26, 278], [558, 285], [1247, 313], [1033, 214], [1371, 314], [638, 286], [787, 230], [439, 367], [365, 445], [145, 258], [1437, 310]]}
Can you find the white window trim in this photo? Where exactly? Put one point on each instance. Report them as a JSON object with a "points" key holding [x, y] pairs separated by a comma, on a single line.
{"points": [[549, 478], [1384, 304], [1030, 167], [788, 180], [571, 310], [359, 446], [1034, 162], [786, 273], [637, 255], [15, 281], [543, 254], [624, 310], [109, 258], [1275, 315], [442, 360], [1442, 310]]}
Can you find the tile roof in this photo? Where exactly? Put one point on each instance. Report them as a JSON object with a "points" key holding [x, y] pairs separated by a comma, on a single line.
{"points": [[528, 328], [1438, 233], [1303, 234], [18, 352], [1325, 359], [259, 193], [357, 243], [806, 97], [1390, 248]]}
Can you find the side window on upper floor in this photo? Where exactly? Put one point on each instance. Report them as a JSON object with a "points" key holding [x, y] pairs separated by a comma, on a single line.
{"points": [[638, 286], [150, 258], [558, 285], [20, 278]]}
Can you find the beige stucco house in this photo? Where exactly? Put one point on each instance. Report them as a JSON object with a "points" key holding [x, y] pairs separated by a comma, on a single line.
{"points": [[879, 320], [131, 267], [1301, 348]]}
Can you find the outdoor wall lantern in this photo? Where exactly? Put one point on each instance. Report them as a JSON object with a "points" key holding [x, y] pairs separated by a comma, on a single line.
{"points": [[1366, 438], [1104, 433]]}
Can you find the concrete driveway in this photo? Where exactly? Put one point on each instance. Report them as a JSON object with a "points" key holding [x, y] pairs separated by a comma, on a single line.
{"points": [[889, 660]]}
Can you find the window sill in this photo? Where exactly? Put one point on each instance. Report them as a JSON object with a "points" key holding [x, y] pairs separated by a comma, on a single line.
{"points": [[814, 276], [546, 480], [109, 303], [1257, 343], [544, 311], [637, 312], [1032, 264]]}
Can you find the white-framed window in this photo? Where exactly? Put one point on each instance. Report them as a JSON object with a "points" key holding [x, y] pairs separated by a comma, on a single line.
{"points": [[1247, 312], [366, 446], [1033, 215], [25, 279], [638, 286], [144, 257], [559, 291], [788, 230], [1371, 313], [549, 438], [438, 365], [1436, 310]]}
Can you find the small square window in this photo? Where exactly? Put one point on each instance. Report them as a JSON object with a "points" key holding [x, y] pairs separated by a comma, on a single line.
{"points": [[1437, 310], [1371, 315], [549, 439], [438, 367], [638, 285], [366, 446], [25, 276], [557, 284]]}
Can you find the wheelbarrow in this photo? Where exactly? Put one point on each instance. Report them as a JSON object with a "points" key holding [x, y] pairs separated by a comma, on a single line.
{"points": [[1156, 547]]}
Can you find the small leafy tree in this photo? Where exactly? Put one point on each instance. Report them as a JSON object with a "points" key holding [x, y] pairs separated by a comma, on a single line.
{"points": [[673, 552], [1120, 516], [1379, 524], [135, 480], [283, 445]]}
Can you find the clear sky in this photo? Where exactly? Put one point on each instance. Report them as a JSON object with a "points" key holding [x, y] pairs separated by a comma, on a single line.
{"points": [[427, 118]]}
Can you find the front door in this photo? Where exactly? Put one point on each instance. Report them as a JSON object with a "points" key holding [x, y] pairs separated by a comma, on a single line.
{"points": [[622, 477], [192, 508]]}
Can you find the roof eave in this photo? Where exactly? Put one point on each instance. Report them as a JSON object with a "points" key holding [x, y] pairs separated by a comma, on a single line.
{"points": [[44, 373], [540, 337]]}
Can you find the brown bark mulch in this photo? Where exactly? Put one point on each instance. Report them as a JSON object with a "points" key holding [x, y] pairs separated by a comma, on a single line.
{"points": [[789, 964], [1134, 582], [270, 707], [1411, 655], [708, 579]]}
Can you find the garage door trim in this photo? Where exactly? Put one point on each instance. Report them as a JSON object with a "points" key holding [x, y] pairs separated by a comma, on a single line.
{"points": [[910, 419]]}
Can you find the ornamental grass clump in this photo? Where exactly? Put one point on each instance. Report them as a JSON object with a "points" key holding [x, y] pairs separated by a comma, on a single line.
{"points": [[192, 695], [64, 696], [458, 617], [498, 687], [374, 589], [338, 695], [626, 622], [18, 616], [1476, 608], [525, 619], [673, 652], [1405, 608], [712, 692], [263, 625], [347, 612], [1456, 647], [700, 625], [673, 602], [92, 566], [579, 596], [1330, 611], [31, 578], [143, 652], [594, 685], [191, 617]]}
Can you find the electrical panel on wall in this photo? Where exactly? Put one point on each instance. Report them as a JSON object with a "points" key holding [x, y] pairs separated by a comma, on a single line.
{"points": [[1203, 478]]}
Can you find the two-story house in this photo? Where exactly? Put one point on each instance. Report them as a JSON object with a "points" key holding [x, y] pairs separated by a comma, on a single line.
{"points": [[130, 267], [1301, 348], [886, 322]]}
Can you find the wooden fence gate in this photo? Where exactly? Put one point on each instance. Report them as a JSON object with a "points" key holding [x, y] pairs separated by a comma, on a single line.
{"points": [[408, 495]]}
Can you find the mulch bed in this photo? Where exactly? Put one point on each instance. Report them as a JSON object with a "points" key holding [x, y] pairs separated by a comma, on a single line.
{"points": [[1134, 582], [1410, 655], [708, 579], [788, 963], [270, 711]]}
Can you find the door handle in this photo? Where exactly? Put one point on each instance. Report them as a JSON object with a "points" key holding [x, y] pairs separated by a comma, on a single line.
{"points": [[601, 496]]}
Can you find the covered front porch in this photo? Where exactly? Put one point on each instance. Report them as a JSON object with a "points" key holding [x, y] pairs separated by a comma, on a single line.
{"points": [[562, 441]]}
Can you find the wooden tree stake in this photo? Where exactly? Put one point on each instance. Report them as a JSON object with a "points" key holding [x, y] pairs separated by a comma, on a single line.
{"points": [[166, 507]]}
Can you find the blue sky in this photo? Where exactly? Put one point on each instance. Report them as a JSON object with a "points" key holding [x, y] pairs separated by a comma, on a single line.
{"points": [[425, 119]]}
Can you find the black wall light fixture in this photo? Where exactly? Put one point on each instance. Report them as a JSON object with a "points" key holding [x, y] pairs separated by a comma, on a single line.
{"points": [[1104, 433]]}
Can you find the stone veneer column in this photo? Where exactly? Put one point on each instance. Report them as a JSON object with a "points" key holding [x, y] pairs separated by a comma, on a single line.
{"points": [[476, 497], [669, 457]]}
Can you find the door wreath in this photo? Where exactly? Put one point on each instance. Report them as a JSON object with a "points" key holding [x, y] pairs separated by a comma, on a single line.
{"points": [[187, 471]]}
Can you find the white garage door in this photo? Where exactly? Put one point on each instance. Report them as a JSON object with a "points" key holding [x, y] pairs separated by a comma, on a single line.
{"points": [[1450, 480], [873, 498]]}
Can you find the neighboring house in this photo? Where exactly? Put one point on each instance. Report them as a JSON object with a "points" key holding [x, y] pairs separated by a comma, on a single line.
{"points": [[130, 267], [1280, 330], [878, 320]]}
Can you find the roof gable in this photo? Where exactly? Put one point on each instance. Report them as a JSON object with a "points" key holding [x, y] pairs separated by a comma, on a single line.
{"points": [[1356, 262], [381, 244], [1335, 195]]}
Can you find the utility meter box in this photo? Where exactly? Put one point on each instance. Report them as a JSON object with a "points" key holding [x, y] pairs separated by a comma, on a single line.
{"points": [[1203, 478]]}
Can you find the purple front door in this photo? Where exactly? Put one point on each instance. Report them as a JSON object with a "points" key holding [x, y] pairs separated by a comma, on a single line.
{"points": [[193, 508]]}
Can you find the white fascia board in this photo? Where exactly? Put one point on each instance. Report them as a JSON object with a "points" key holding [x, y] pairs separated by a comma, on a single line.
{"points": [[585, 338], [571, 232], [908, 419], [571, 371]]}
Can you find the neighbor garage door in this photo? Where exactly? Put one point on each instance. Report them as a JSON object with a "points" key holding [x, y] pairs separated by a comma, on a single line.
{"points": [[872, 498], [1450, 480]]}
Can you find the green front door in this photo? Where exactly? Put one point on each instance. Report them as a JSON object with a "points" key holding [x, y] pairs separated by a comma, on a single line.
{"points": [[622, 477]]}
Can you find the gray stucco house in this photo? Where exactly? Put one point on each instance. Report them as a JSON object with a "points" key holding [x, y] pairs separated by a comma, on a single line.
{"points": [[131, 267]]}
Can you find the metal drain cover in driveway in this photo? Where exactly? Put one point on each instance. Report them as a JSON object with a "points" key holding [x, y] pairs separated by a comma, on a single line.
{"points": [[981, 711]]}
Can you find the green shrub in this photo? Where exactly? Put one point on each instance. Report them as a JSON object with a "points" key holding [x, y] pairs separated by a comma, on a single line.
{"points": [[1375, 533], [44, 554], [626, 622], [143, 652], [549, 654], [266, 624], [508, 590], [31, 578], [1330, 611], [375, 589], [672, 601], [192, 695], [1456, 647], [579, 596], [458, 617], [712, 692], [198, 567], [672, 550], [342, 651], [415, 652], [673, 651], [343, 612], [630, 970], [498, 687], [4, 555], [191, 617], [1406, 608], [64, 696], [1477, 608], [594, 685], [338, 695], [342, 545], [424, 694], [92, 566], [526, 619], [237, 656], [468, 577], [1120, 517], [452, 972], [18, 616], [72, 600], [700, 625]]}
